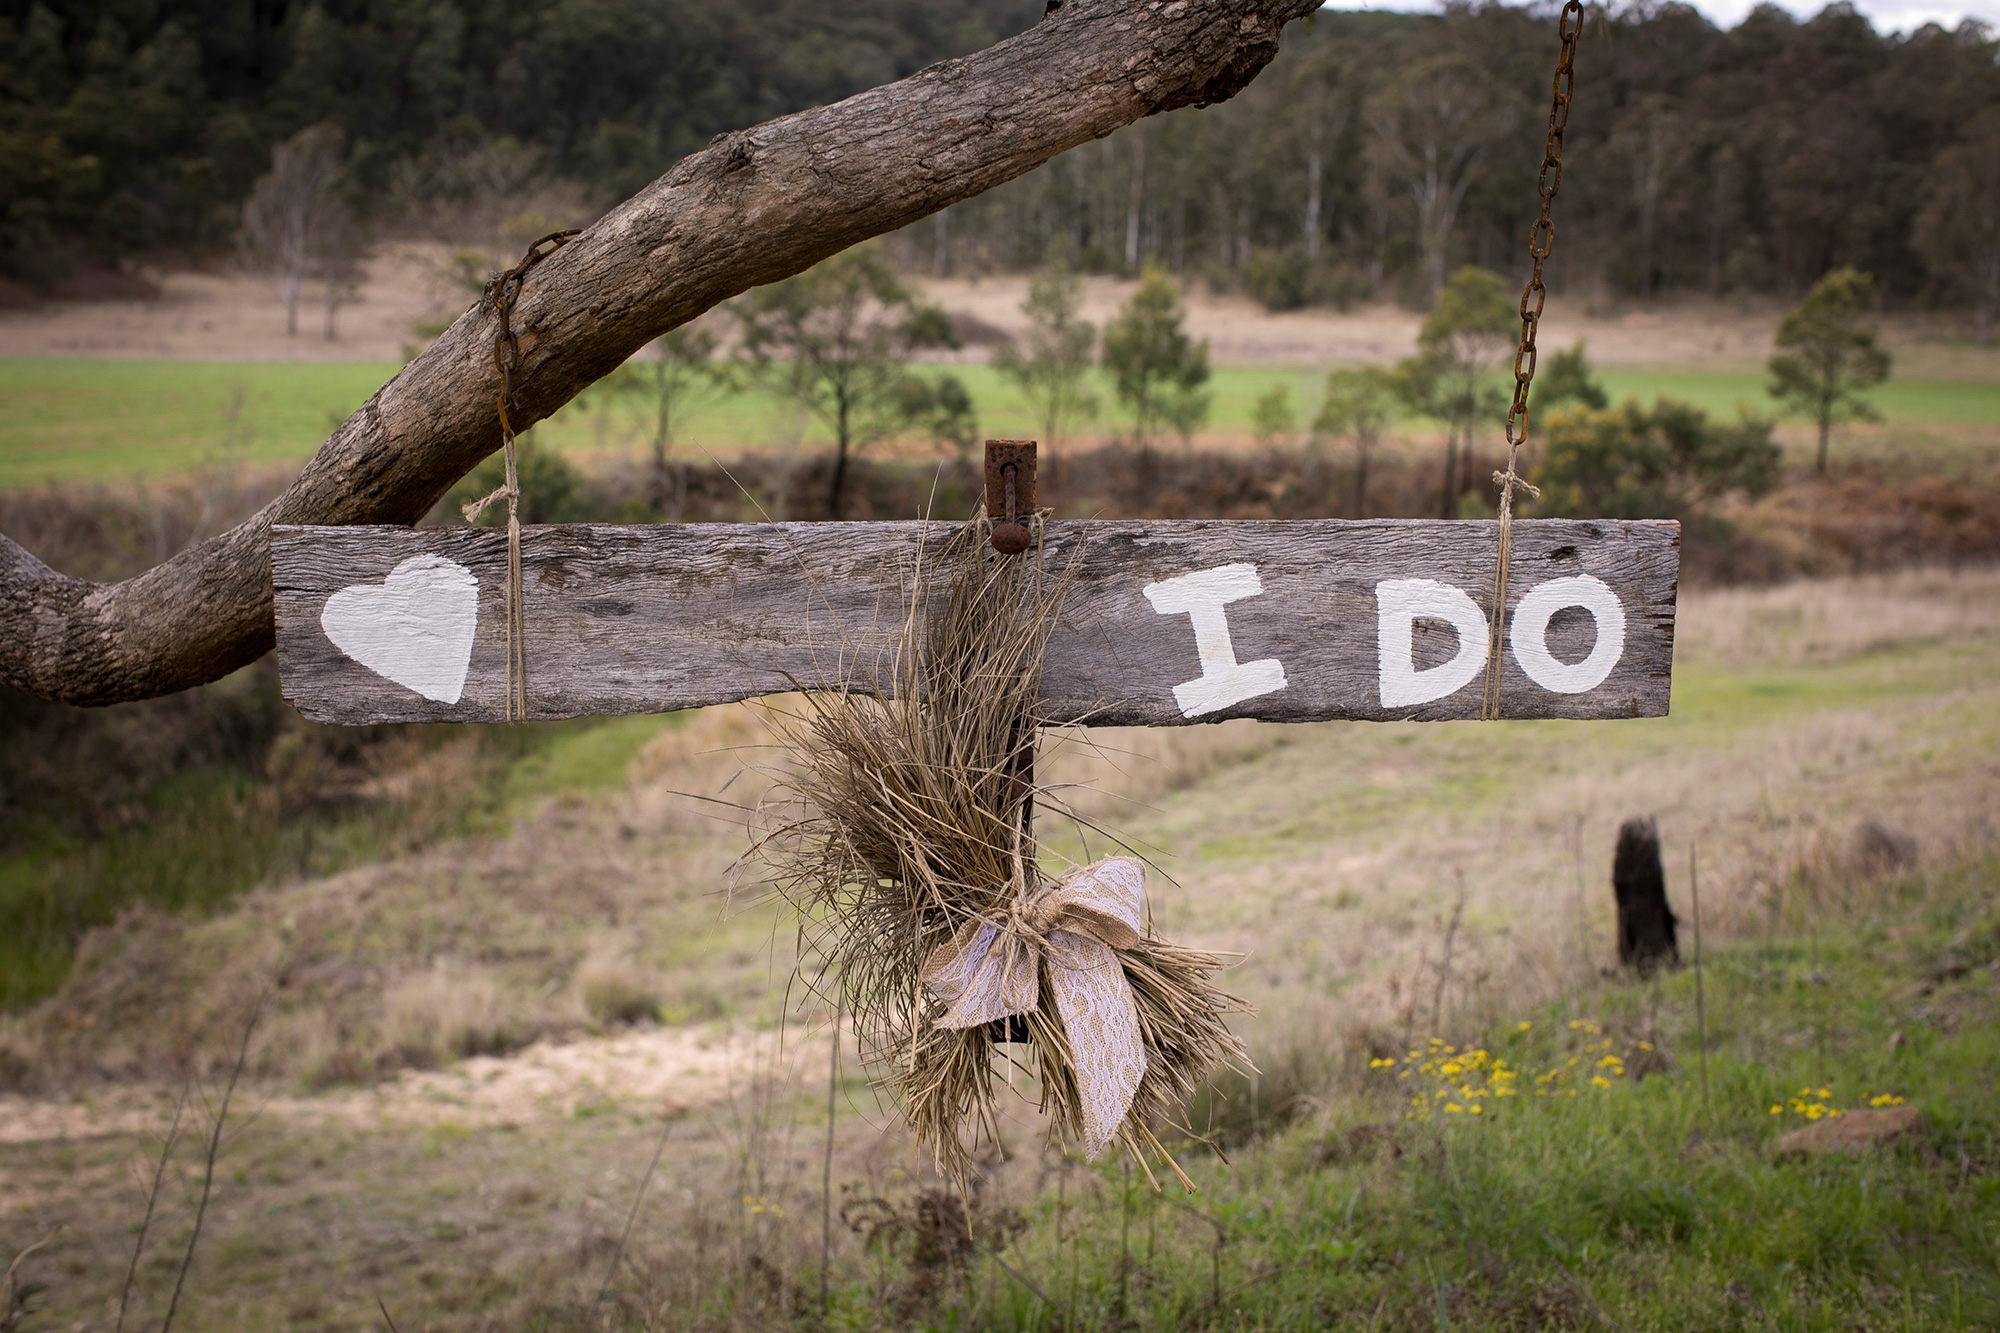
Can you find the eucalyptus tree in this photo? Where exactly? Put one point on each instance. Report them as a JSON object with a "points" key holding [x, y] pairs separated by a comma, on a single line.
{"points": [[285, 217], [1459, 346], [1157, 368], [1434, 125], [1053, 373], [1359, 403], [679, 373], [837, 340], [1828, 356]]}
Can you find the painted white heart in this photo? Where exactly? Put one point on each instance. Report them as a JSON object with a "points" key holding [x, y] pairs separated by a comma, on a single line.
{"points": [[414, 628]]}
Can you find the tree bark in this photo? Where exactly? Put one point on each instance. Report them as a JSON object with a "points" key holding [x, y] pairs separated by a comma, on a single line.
{"points": [[754, 207]]}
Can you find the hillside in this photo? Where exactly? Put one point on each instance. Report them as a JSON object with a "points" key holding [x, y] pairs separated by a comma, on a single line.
{"points": [[583, 954]]}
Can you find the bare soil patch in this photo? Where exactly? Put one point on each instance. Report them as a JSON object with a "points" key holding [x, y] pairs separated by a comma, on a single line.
{"points": [[226, 314]]}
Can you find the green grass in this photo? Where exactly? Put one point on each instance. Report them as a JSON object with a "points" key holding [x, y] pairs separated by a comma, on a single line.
{"points": [[195, 843], [1902, 401], [79, 420], [1643, 1204], [583, 756], [70, 420]]}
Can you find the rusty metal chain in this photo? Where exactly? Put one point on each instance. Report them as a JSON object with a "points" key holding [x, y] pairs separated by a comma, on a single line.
{"points": [[1541, 240], [500, 295]]}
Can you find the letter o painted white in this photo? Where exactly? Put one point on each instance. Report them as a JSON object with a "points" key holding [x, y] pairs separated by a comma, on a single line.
{"points": [[1399, 604], [1530, 630]]}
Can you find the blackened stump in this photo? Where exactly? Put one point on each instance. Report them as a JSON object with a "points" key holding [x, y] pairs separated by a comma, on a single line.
{"points": [[1645, 922]]}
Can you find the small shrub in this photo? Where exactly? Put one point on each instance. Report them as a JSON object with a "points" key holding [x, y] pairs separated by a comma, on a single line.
{"points": [[1341, 286], [615, 989], [448, 1013], [1276, 280], [1667, 460], [1273, 418]]}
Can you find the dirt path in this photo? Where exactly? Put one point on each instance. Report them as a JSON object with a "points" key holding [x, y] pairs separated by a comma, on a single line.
{"points": [[227, 315], [651, 1072], [1242, 333]]}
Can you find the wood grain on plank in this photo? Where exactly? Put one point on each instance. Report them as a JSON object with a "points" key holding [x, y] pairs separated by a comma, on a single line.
{"points": [[650, 619]]}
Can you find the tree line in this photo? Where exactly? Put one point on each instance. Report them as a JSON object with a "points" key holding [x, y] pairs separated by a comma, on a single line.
{"points": [[1377, 155], [1381, 152], [139, 127], [838, 341]]}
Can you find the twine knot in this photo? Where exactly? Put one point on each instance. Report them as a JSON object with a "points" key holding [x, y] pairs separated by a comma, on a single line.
{"points": [[991, 969]]}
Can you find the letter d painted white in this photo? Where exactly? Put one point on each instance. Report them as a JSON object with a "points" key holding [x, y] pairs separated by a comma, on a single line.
{"points": [[1399, 604]]}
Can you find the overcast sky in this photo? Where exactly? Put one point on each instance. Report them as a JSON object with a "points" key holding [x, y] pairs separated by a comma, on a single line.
{"points": [[1886, 15]]}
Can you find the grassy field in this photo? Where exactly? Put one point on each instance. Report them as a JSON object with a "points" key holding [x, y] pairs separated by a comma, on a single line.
{"points": [[195, 842], [1332, 856], [107, 420]]}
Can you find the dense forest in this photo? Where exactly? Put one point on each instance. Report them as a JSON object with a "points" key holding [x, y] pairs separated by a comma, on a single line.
{"points": [[134, 127], [1380, 152]]}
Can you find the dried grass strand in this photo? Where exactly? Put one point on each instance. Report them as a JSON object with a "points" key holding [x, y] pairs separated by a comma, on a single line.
{"points": [[904, 812]]}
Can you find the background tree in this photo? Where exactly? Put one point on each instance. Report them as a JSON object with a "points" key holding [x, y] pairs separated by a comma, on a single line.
{"points": [[1470, 325], [1803, 143], [676, 375], [1273, 418], [835, 338], [1827, 355], [1434, 126], [1157, 369], [1565, 377], [1958, 229], [287, 209], [1053, 372], [1653, 140], [1359, 403], [338, 242]]}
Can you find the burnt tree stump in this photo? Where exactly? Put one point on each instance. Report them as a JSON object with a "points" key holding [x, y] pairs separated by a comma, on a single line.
{"points": [[1645, 922]]}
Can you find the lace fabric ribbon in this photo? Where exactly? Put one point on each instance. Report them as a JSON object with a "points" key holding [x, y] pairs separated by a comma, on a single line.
{"points": [[991, 970]]}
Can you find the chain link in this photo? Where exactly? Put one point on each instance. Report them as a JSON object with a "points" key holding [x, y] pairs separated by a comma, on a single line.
{"points": [[1534, 296], [1543, 238]]}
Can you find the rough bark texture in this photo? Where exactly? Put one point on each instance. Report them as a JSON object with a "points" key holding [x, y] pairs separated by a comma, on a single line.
{"points": [[1645, 922], [649, 619], [752, 208]]}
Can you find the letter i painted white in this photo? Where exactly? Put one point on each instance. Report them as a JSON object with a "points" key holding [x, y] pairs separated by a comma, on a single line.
{"points": [[1223, 680]]}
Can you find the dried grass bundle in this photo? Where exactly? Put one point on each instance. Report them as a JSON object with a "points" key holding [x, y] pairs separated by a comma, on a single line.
{"points": [[904, 824]]}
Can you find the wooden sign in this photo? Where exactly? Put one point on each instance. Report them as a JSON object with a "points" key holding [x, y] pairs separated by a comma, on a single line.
{"points": [[1168, 623]]}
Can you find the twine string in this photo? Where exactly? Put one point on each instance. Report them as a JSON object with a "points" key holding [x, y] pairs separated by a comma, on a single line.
{"points": [[501, 294]]}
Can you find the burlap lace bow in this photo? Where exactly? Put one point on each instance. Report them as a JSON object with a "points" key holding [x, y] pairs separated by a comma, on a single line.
{"points": [[991, 970]]}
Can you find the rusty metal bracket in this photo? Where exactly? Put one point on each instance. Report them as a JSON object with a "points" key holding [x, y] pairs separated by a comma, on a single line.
{"points": [[1010, 493]]}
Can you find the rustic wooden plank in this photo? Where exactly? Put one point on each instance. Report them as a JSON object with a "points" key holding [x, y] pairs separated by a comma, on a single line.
{"points": [[1324, 619]]}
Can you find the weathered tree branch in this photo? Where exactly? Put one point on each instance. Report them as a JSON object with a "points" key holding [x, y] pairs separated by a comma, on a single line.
{"points": [[752, 208]]}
